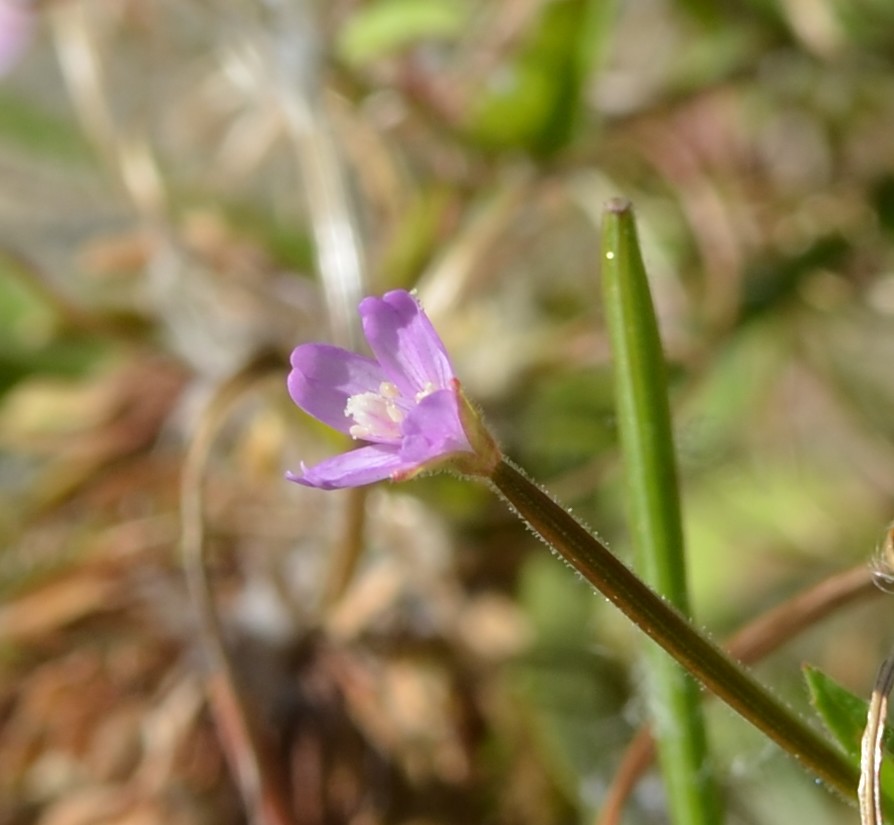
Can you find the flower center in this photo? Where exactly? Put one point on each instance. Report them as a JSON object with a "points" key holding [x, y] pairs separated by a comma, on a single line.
{"points": [[377, 416]]}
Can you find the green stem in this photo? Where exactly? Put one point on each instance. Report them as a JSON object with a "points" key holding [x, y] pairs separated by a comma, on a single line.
{"points": [[653, 505], [701, 657]]}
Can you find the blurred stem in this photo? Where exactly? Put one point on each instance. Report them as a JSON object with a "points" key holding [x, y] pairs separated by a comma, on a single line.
{"points": [[670, 629], [249, 749], [349, 547], [653, 505]]}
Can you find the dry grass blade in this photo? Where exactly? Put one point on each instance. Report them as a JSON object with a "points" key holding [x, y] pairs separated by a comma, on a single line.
{"points": [[80, 56], [871, 750], [263, 793], [292, 68], [55, 605], [348, 550]]}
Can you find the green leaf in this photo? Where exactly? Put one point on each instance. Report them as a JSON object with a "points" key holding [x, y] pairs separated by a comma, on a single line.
{"points": [[28, 128], [769, 285], [417, 235], [569, 690], [569, 421], [843, 713], [391, 25], [656, 530], [535, 102]]}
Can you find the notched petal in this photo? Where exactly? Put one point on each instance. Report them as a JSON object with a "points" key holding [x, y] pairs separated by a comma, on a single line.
{"points": [[324, 377], [405, 342]]}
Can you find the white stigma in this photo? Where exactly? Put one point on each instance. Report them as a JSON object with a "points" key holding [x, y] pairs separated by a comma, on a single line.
{"points": [[377, 417], [427, 390]]}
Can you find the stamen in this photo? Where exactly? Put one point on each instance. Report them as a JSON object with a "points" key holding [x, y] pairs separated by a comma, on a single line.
{"points": [[377, 416]]}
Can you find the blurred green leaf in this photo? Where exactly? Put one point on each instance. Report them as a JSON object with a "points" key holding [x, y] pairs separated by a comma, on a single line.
{"points": [[772, 283], [31, 129], [289, 244], [572, 692], [25, 322], [30, 340], [883, 201], [390, 25], [559, 614], [706, 12], [569, 420], [842, 713], [869, 22], [845, 717], [73, 356], [416, 236], [535, 102]]}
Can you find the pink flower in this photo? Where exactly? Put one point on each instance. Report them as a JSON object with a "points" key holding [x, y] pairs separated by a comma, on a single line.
{"points": [[405, 404], [16, 28]]}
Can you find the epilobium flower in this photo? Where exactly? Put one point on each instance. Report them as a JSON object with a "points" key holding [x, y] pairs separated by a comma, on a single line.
{"points": [[405, 404]]}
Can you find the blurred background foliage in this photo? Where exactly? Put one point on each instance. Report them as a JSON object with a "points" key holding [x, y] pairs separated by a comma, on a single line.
{"points": [[187, 186]]}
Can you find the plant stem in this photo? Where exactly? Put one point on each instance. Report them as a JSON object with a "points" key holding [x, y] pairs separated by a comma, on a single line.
{"points": [[665, 625]]}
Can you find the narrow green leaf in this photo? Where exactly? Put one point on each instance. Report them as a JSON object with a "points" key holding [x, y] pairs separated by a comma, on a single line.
{"points": [[644, 429]]}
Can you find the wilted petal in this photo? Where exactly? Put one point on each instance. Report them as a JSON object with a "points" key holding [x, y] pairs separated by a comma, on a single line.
{"points": [[354, 469], [405, 343], [323, 377], [433, 429]]}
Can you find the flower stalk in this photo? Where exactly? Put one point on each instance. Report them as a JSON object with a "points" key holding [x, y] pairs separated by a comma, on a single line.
{"points": [[672, 631]]}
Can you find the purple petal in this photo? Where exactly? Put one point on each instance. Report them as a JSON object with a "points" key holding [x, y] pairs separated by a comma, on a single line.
{"points": [[324, 377], [433, 430], [354, 469], [405, 343], [16, 26]]}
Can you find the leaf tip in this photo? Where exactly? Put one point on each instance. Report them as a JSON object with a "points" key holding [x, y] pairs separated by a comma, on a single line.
{"points": [[618, 205]]}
